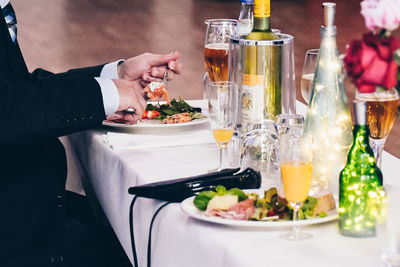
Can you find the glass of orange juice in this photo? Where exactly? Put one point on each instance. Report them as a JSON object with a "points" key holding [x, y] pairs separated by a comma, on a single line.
{"points": [[222, 103], [296, 173]]}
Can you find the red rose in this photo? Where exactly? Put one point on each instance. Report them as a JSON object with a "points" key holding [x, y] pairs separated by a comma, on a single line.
{"points": [[369, 62]]}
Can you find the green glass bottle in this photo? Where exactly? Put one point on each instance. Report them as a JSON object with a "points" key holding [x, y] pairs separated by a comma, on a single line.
{"points": [[360, 182]]}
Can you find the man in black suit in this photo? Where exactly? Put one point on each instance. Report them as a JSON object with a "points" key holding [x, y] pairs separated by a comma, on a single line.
{"points": [[35, 109]]}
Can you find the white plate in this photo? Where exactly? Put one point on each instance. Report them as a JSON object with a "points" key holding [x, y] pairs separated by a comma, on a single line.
{"points": [[154, 125], [190, 209]]}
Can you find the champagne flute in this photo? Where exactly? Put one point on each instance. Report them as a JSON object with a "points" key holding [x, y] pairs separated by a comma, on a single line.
{"points": [[216, 47], [222, 104], [296, 173], [381, 114], [307, 76]]}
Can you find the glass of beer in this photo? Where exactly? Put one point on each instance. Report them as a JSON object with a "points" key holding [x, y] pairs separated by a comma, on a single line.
{"points": [[221, 109], [381, 114], [307, 76], [216, 47], [296, 173]]}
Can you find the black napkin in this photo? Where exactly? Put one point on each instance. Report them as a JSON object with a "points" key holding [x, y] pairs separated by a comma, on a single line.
{"points": [[179, 189]]}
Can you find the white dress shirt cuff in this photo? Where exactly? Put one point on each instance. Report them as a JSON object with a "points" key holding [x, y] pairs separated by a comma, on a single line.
{"points": [[3, 3], [110, 70], [110, 95]]}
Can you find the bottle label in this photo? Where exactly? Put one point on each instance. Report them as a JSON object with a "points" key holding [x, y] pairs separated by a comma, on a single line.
{"points": [[252, 99], [262, 8]]}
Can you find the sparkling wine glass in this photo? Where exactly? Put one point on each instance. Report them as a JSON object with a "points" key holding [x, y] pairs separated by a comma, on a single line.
{"points": [[381, 114], [307, 76], [222, 103], [296, 173], [216, 47]]}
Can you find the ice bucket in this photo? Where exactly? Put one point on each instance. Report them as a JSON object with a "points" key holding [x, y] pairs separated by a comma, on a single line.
{"points": [[264, 73]]}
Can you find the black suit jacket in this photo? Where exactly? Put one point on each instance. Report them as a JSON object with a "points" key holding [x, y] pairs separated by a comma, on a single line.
{"points": [[35, 109]]}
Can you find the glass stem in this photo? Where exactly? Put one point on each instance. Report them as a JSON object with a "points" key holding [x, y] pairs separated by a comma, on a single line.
{"points": [[377, 148], [222, 157], [296, 209]]}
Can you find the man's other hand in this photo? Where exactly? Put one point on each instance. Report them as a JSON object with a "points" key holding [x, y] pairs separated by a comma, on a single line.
{"points": [[131, 95]]}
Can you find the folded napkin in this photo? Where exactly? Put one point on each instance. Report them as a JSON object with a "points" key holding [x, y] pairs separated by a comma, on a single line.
{"points": [[120, 141]]}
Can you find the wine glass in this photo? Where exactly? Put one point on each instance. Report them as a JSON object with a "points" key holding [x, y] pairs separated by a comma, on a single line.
{"points": [[216, 47], [381, 114], [296, 173], [290, 123], [307, 76], [260, 151], [222, 102]]}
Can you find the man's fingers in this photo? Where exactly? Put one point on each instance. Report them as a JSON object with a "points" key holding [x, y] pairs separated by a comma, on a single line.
{"points": [[158, 72], [176, 66], [157, 60], [148, 78]]}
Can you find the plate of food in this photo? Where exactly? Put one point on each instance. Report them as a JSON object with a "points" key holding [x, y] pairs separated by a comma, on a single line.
{"points": [[256, 209], [162, 116]]}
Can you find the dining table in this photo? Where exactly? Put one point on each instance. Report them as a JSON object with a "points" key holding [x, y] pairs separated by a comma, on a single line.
{"points": [[113, 159]]}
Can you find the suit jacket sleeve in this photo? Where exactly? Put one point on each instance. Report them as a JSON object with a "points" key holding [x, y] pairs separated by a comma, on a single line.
{"points": [[49, 106], [39, 74]]}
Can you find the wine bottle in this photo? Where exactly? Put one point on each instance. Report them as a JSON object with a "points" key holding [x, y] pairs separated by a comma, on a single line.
{"points": [[328, 120], [261, 75], [262, 26], [245, 24], [360, 182]]}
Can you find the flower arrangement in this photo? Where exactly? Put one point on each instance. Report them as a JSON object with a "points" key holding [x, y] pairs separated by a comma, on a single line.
{"points": [[373, 62]]}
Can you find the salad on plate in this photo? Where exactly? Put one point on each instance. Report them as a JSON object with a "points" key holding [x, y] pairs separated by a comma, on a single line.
{"points": [[235, 204]]}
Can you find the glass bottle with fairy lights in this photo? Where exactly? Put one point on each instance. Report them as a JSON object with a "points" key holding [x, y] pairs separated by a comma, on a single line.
{"points": [[360, 182], [328, 120]]}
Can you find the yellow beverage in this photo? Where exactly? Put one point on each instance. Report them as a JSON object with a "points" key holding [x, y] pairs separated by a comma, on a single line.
{"points": [[381, 113], [296, 178], [216, 58], [222, 136]]}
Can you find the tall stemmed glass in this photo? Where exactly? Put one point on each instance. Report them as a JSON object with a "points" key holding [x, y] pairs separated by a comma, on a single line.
{"points": [[296, 173], [216, 47], [381, 114], [307, 76], [222, 102]]}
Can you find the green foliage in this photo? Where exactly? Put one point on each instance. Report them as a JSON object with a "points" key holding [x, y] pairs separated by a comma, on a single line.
{"points": [[176, 107], [202, 199]]}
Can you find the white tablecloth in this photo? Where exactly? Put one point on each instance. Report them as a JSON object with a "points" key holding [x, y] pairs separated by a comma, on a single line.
{"points": [[181, 241]]}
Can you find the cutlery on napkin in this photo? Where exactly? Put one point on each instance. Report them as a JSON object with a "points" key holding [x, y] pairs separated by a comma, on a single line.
{"points": [[121, 141]]}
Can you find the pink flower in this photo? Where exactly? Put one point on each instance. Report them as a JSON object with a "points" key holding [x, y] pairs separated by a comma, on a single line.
{"points": [[369, 62], [381, 14]]}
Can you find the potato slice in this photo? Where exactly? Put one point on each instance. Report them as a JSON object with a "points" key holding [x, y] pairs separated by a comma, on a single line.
{"points": [[224, 202]]}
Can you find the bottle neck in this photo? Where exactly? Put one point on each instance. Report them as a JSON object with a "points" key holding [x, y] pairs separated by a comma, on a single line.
{"points": [[262, 15], [262, 24], [361, 135]]}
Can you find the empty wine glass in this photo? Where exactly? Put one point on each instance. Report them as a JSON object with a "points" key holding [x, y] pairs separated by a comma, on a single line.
{"points": [[307, 75], [260, 152], [222, 104], [290, 123]]}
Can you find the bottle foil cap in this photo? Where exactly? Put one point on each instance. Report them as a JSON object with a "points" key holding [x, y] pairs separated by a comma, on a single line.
{"points": [[329, 13], [360, 110]]}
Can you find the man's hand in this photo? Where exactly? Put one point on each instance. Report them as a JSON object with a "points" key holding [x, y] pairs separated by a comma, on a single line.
{"points": [[149, 67], [130, 96]]}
